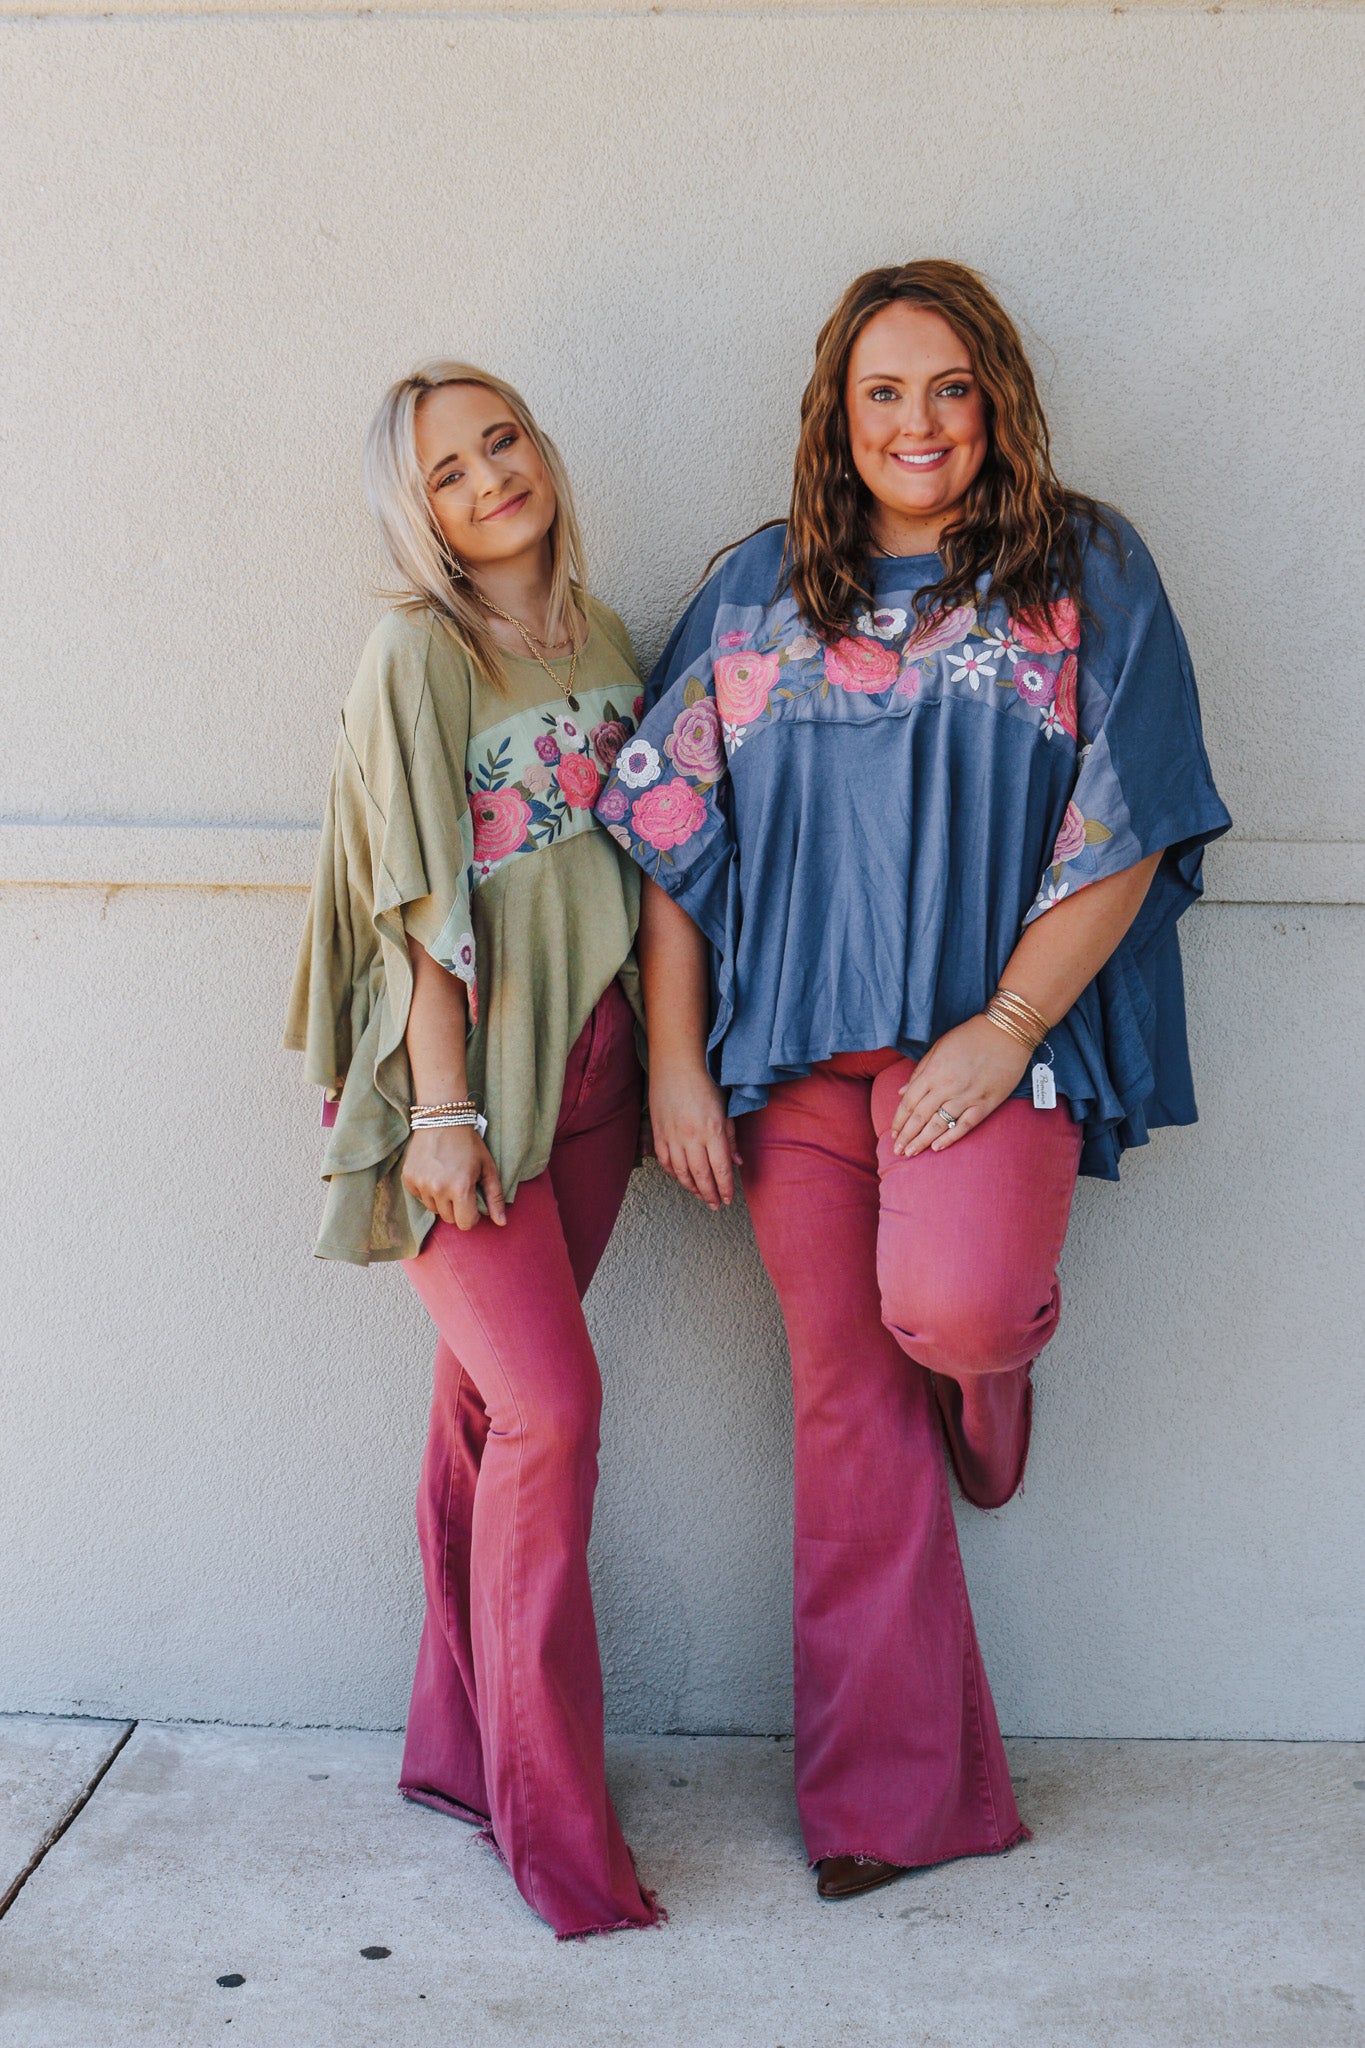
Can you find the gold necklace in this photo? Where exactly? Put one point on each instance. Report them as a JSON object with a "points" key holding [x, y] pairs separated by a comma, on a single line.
{"points": [[536, 655]]}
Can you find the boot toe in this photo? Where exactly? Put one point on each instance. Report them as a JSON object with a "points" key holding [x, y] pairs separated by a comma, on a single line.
{"points": [[843, 1877]]}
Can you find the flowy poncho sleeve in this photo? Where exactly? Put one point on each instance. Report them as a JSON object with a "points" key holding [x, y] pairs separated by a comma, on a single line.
{"points": [[1143, 781], [393, 862], [1142, 785]]}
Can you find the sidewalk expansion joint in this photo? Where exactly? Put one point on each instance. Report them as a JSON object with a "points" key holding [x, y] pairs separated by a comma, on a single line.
{"points": [[55, 1833]]}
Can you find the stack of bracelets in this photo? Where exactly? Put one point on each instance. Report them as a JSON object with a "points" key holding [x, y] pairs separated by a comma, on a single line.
{"points": [[440, 1116], [1012, 1014]]}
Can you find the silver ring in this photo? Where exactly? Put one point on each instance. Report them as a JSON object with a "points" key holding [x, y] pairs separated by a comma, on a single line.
{"points": [[951, 1121]]}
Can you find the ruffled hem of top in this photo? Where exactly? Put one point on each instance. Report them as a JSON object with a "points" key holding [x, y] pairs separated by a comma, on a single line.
{"points": [[1127, 1073], [1120, 1067]]}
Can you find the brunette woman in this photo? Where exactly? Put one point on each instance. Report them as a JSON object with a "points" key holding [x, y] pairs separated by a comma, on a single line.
{"points": [[922, 793], [466, 994]]}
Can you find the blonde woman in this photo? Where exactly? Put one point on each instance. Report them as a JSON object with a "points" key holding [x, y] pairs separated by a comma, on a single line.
{"points": [[467, 996]]}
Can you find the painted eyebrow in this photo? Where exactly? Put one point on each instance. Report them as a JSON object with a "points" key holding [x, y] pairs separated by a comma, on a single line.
{"points": [[499, 427], [894, 376]]}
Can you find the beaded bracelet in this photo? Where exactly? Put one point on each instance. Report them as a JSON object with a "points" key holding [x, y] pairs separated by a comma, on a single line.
{"points": [[459, 1119]]}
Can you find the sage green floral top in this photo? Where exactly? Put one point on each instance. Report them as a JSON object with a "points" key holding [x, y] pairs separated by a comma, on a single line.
{"points": [[460, 815]]}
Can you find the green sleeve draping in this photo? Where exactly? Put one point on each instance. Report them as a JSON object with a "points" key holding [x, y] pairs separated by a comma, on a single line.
{"points": [[393, 860]]}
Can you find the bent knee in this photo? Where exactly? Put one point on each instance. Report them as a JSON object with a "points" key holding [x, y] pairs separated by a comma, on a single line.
{"points": [[969, 1331]]}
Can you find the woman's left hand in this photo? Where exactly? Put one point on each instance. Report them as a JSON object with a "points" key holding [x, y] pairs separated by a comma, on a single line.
{"points": [[968, 1072]]}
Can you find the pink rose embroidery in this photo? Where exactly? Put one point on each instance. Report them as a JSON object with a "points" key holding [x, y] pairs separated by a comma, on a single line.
{"points": [[861, 665], [942, 629], [547, 746], [1036, 636], [668, 814], [730, 641], [638, 708], [1034, 681], [607, 740], [612, 805], [1065, 702], [579, 780], [1071, 838], [910, 680], [694, 745], [742, 685], [536, 779], [502, 818]]}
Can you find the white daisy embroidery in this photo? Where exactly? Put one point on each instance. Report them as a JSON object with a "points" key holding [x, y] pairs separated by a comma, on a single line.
{"points": [[1004, 647], [637, 765], [971, 667], [884, 624]]}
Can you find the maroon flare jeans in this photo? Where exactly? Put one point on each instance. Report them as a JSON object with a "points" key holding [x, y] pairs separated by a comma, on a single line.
{"points": [[901, 1280], [505, 1727]]}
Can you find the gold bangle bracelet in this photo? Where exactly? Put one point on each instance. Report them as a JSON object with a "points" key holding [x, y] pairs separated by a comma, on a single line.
{"points": [[1010, 1028], [1024, 1011]]}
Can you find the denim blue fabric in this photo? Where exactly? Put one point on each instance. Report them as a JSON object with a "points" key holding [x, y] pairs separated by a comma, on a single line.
{"points": [[862, 830]]}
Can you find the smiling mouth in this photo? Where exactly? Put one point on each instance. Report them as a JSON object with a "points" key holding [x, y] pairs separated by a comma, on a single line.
{"points": [[508, 505], [928, 461]]}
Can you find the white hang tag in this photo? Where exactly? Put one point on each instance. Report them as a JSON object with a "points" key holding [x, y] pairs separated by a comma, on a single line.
{"points": [[481, 1122], [1044, 1087]]}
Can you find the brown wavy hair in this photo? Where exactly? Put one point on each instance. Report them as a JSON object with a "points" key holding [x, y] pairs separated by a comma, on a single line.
{"points": [[1017, 523]]}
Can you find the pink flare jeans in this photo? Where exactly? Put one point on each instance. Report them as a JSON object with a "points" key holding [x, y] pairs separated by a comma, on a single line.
{"points": [[506, 1723], [901, 1280]]}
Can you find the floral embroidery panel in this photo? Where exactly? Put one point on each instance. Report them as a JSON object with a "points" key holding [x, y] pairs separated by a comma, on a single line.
{"points": [[535, 780], [768, 670]]}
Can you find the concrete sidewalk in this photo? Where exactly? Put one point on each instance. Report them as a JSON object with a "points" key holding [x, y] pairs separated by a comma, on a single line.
{"points": [[1175, 1893]]}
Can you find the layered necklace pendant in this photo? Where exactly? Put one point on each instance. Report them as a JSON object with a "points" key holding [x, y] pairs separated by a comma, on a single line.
{"points": [[536, 654]]}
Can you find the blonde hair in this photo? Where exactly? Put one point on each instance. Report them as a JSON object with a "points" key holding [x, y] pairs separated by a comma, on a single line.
{"points": [[430, 574]]}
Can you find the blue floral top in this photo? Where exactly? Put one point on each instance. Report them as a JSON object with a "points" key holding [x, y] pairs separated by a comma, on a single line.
{"points": [[862, 830]]}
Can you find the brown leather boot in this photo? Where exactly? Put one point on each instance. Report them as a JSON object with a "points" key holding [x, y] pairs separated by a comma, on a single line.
{"points": [[987, 1480], [843, 1877]]}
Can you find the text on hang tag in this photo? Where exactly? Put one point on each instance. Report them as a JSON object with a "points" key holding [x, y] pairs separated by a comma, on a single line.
{"points": [[1044, 1087]]}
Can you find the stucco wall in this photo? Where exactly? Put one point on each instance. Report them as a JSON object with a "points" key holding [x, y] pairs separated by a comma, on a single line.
{"points": [[221, 237]]}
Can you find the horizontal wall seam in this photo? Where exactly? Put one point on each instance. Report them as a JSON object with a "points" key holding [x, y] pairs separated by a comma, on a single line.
{"points": [[563, 10], [154, 856]]}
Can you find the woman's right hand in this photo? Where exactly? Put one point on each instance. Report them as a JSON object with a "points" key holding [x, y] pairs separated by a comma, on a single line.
{"points": [[694, 1139], [445, 1168]]}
